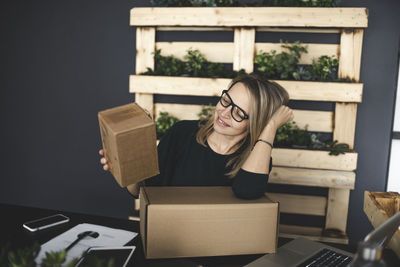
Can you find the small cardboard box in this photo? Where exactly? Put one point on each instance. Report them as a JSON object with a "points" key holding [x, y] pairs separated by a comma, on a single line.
{"points": [[205, 221], [128, 135]]}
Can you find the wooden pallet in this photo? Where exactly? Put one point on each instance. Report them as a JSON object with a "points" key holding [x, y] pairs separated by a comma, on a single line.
{"points": [[291, 166]]}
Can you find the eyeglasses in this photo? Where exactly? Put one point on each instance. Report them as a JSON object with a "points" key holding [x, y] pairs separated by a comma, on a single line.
{"points": [[237, 113]]}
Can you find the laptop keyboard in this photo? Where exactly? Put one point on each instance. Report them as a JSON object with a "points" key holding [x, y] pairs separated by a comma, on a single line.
{"points": [[327, 258]]}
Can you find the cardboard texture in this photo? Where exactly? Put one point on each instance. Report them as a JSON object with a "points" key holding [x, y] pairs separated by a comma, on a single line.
{"points": [[128, 135], [205, 221]]}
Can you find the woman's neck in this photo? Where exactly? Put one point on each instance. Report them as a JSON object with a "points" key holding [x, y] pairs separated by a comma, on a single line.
{"points": [[224, 144]]}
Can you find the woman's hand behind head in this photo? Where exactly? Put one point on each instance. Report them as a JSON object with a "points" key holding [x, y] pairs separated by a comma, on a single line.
{"points": [[281, 116]]}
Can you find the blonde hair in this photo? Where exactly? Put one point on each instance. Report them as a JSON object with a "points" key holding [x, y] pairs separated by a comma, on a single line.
{"points": [[265, 98]]}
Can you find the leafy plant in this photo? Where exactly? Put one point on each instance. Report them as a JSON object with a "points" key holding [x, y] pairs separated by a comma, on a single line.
{"points": [[324, 68], [226, 3], [283, 133], [57, 259], [301, 3], [24, 257], [336, 148], [164, 122], [195, 64], [282, 65], [302, 74], [316, 143], [206, 112], [290, 135], [166, 65]]}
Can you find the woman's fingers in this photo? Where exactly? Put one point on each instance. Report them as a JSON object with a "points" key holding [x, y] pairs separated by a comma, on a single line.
{"points": [[101, 152], [105, 167], [103, 161]]}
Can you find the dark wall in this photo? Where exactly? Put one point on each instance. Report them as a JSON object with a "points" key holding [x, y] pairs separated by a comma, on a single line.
{"points": [[63, 61]]}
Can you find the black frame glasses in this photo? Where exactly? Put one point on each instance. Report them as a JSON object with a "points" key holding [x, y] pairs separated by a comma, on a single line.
{"points": [[234, 107]]}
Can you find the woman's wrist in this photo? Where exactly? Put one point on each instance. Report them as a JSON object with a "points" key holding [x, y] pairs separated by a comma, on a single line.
{"points": [[268, 133]]}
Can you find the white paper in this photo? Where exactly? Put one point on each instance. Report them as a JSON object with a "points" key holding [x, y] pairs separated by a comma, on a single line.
{"points": [[108, 237]]}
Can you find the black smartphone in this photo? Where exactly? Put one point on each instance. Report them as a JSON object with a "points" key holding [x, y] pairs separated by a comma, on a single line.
{"points": [[45, 222]]}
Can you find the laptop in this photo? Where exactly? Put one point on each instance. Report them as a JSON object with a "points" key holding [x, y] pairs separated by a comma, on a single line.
{"points": [[304, 252]]}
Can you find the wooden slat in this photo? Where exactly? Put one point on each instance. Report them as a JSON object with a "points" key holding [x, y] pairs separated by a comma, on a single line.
{"points": [[243, 51], [223, 52], [250, 16], [336, 214], [318, 121], [313, 91], [300, 204], [146, 101], [323, 91], [261, 29], [350, 53], [313, 233], [145, 44], [310, 177], [345, 123], [313, 159]]}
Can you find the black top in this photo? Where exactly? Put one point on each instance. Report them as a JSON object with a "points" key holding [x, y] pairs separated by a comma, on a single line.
{"points": [[184, 162]]}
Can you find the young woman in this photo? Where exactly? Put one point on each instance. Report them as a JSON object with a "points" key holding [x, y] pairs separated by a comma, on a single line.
{"points": [[233, 148]]}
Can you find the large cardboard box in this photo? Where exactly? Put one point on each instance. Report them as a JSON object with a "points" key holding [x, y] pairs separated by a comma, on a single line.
{"points": [[128, 135], [205, 221]]}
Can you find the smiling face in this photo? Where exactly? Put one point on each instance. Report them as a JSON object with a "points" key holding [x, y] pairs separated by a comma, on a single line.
{"points": [[224, 123]]}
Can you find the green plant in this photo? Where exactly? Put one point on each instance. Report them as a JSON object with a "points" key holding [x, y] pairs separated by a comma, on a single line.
{"points": [[4, 255], [195, 62], [282, 65], [24, 257], [206, 112], [166, 65], [301, 3], [290, 135], [226, 3], [283, 133], [336, 148], [164, 122], [300, 137], [316, 143], [324, 68], [302, 74]]}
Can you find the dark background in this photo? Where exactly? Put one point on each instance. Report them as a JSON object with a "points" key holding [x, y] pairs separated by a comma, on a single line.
{"points": [[63, 61]]}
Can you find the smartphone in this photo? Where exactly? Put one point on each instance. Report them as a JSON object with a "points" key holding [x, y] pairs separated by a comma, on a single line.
{"points": [[119, 255], [45, 222]]}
